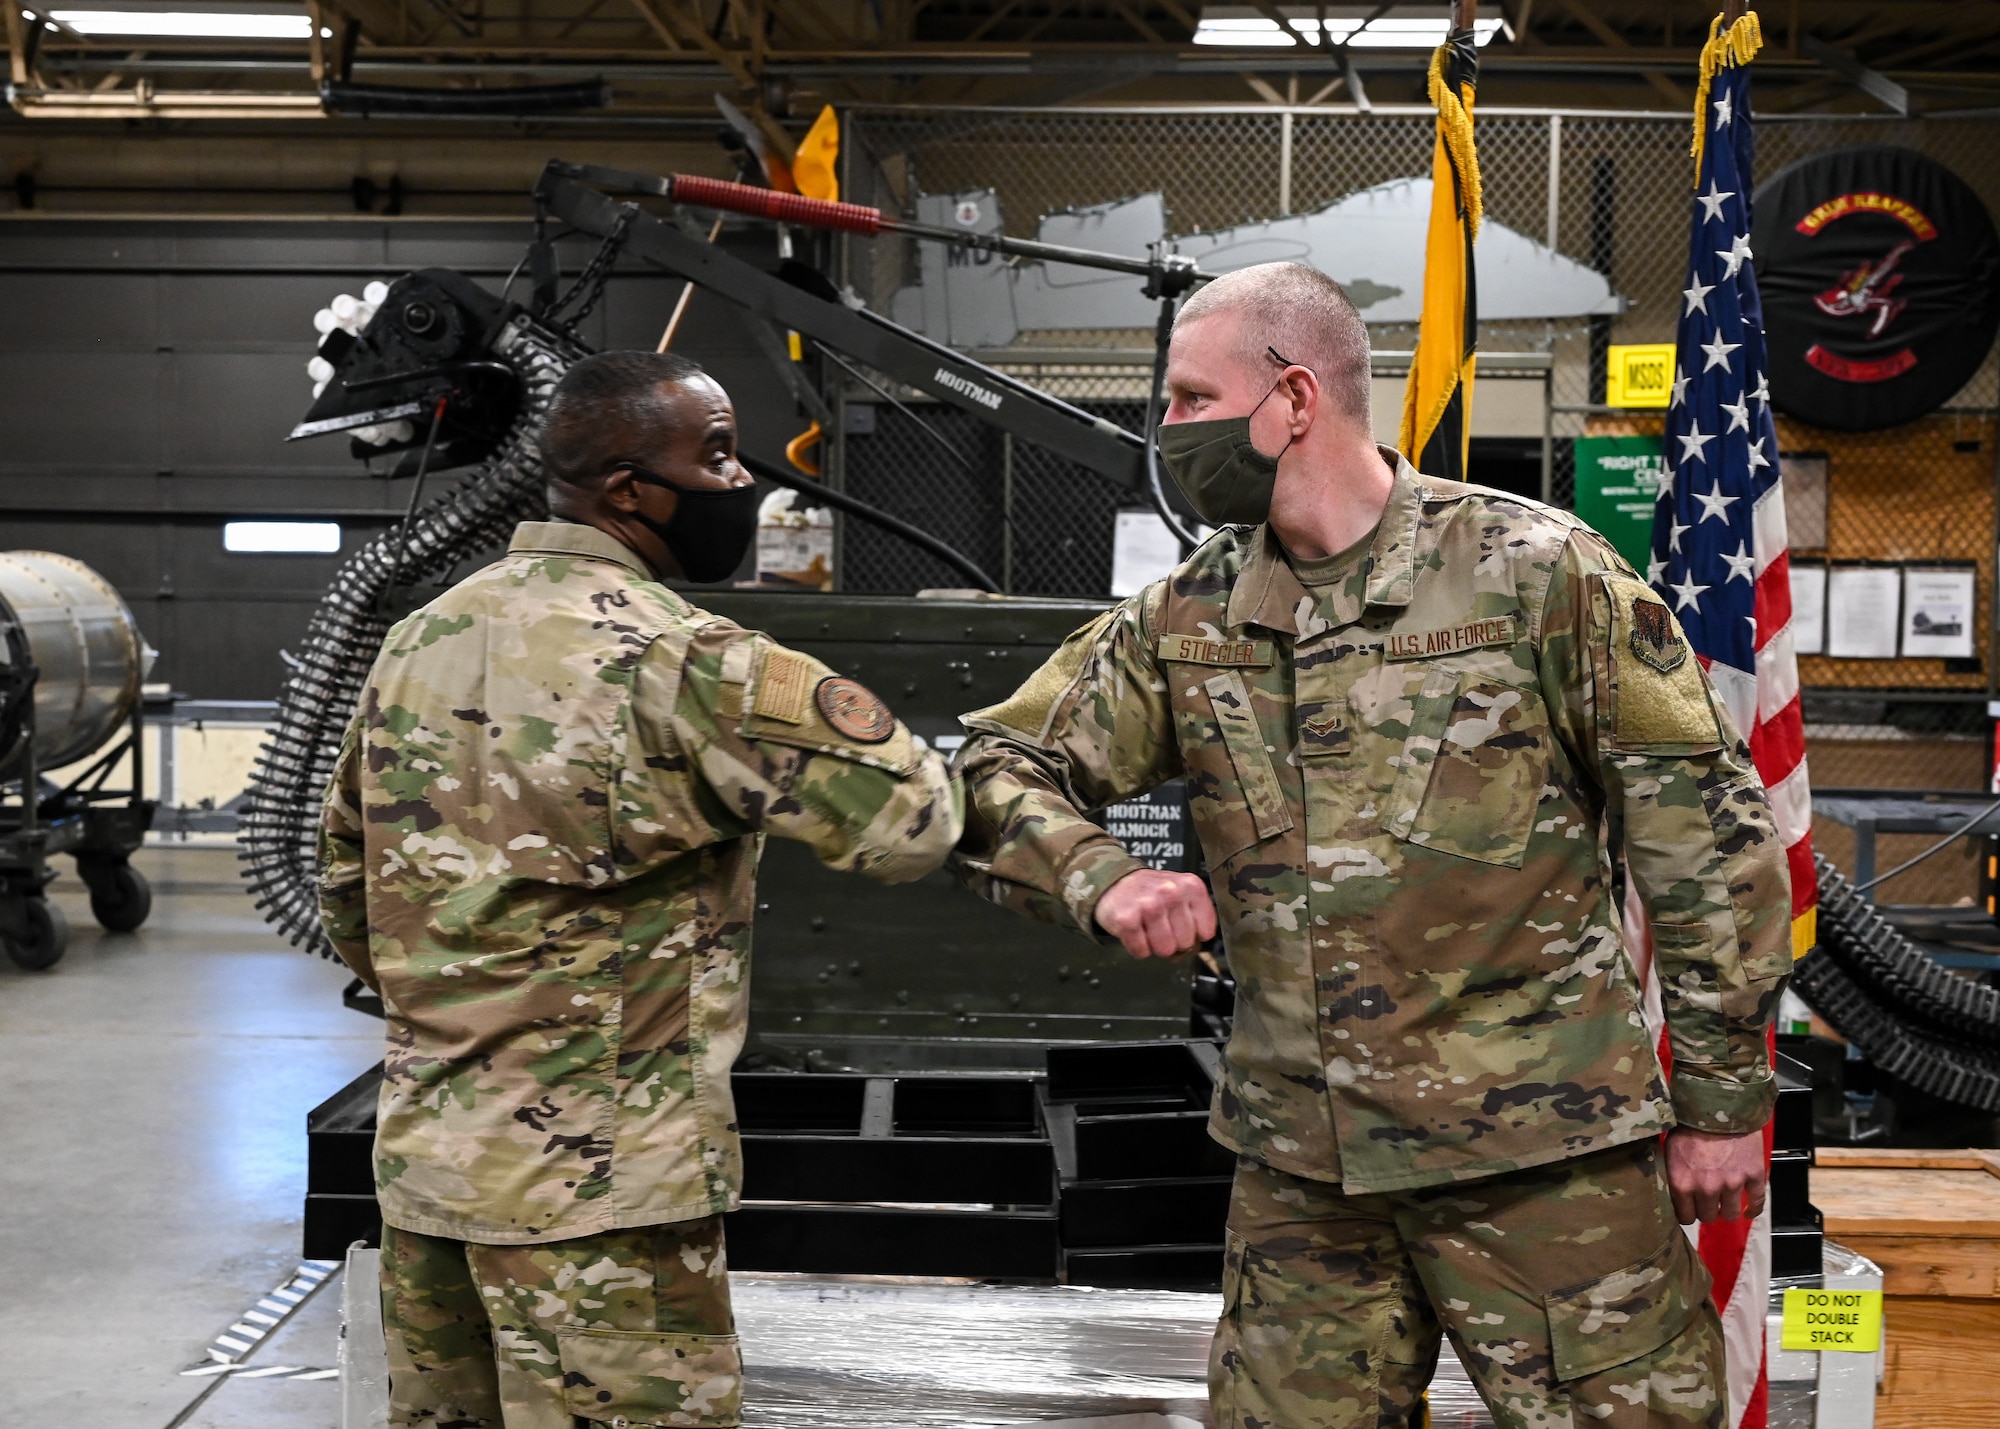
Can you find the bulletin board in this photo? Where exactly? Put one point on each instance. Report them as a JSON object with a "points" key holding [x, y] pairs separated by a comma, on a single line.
{"points": [[1919, 496]]}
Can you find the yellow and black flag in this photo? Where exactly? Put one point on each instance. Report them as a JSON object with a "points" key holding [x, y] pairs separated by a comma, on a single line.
{"points": [[1437, 402]]}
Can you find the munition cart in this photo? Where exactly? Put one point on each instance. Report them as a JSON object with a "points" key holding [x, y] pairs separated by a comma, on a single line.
{"points": [[71, 663]]}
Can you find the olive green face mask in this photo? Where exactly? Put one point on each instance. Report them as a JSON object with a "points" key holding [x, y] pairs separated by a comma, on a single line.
{"points": [[1224, 477]]}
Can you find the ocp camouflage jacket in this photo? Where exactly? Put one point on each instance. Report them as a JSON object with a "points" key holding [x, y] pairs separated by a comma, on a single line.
{"points": [[1408, 791], [540, 846]]}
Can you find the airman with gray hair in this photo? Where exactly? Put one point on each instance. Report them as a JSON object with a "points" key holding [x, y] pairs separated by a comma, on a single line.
{"points": [[1416, 720]]}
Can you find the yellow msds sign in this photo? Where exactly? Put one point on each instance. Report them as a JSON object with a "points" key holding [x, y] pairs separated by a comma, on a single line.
{"points": [[1833, 1320], [1639, 375]]}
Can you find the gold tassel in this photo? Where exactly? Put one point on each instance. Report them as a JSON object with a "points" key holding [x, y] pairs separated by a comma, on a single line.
{"points": [[1737, 45], [1455, 128]]}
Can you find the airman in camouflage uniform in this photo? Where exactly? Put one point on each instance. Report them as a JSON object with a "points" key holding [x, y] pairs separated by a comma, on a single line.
{"points": [[1410, 766], [540, 846]]}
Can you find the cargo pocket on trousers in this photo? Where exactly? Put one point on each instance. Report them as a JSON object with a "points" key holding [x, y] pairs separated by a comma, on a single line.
{"points": [[625, 1379], [1225, 1351], [1233, 1251], [1603, 1323]]}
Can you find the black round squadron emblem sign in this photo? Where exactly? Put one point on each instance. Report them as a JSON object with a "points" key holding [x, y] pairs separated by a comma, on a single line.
{"points": [[1878, 269], [853, 710]]}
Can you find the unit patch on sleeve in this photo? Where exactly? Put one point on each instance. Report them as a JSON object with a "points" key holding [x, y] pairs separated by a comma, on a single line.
{"points": [[1451, 639], [853, 710], [1202, 650], [1654, 638]]}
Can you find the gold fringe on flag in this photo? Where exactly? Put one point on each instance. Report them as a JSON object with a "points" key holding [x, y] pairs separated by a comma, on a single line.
{"points": [[1455, 130], [1737, 45], [1435, 432]]}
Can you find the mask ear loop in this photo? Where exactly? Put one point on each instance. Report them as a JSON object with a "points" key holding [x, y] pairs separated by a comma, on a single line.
{"points": [[1285, 362]]}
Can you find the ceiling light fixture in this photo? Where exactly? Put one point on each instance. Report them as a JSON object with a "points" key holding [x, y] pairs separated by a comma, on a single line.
{"points": [[186, 24]]}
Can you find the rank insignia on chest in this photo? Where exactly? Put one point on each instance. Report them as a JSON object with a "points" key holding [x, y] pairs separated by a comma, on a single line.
{"points": [[1451, 639], [1323, 731], [1654, 638], [1202, 650]]}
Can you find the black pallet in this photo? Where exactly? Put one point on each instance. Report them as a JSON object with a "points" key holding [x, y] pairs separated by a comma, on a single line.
{"points": [[1796, 1236], [964, 1161], [923, 1139], [974, 1243], [1101, 1174], [1144, 1189], [1145, 1267], [340, 1170]]}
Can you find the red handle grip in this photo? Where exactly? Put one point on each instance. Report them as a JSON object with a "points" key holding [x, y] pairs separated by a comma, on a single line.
{"points": [[769, 203]]}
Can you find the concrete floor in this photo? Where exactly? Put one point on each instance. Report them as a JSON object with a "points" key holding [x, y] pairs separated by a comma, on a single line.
{"points": [[156, 1087]]}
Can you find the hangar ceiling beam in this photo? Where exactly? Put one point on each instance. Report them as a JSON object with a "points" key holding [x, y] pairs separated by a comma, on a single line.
{"points": [[1872, 83], [1612, 40], [17, 50]]}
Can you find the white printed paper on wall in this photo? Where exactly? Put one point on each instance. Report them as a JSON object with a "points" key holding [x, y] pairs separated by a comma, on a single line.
{"points": [[1808, 609], [1143, 550], [1862, 603], [1937, 612]]}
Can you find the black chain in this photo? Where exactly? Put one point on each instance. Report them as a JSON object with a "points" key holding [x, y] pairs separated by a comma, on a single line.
{"points": [[596, 273]]}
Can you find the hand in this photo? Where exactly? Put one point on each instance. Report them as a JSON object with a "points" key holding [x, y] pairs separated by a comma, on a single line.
{"points": [[1713, 1175], [1156, 914]]}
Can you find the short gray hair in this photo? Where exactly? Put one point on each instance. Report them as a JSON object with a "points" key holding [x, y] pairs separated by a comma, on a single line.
{"points": [[1303, 315]]}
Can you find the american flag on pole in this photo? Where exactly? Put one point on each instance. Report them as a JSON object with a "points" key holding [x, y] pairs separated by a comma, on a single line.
{"points": [[1720, 559]]}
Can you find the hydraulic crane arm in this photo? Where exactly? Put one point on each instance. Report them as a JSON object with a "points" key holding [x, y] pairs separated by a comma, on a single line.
{"points": [[573, 194]]}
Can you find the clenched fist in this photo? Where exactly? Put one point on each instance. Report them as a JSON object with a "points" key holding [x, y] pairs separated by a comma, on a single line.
{"points": [[1712, 1176], [1156, 915]]}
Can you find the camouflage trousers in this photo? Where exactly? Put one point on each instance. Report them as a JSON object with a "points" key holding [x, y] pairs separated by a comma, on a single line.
{"points": [[1573, 1299], [623, 1329]]}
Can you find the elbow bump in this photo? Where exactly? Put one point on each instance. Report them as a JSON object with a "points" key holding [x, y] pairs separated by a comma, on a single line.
{"points": [[912, 859], [923, 844]]}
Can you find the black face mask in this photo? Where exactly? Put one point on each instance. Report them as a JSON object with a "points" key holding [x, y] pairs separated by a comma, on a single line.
{"points": [[710, 529]]}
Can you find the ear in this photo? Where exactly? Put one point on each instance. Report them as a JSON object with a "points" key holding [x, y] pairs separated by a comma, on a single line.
{"points": [[1302, 390], [620, 492]]}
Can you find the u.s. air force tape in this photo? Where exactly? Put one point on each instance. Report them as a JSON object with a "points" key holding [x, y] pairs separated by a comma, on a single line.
{"points": [[1450, 639]]}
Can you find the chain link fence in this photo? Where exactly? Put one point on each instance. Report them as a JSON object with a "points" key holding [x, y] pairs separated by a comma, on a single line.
{"points": [[1611, 192]]}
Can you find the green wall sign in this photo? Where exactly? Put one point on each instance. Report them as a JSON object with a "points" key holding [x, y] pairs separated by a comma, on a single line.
{"points": [[1617, 481]]}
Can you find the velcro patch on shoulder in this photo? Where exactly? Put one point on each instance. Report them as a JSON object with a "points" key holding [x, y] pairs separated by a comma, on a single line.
{"points": [[1205, 650], [1660, 698], [784, 687], [733, 675], [1480, 634], [736, 661], [1027, 710]]}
